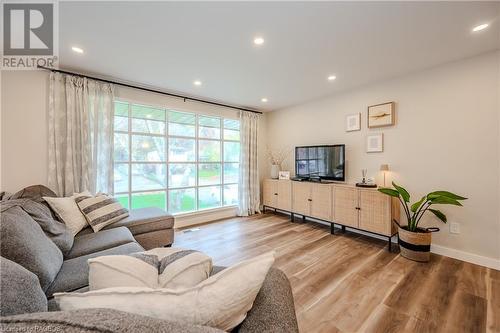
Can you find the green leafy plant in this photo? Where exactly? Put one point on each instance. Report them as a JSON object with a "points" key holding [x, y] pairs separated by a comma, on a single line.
{"points": [[415, 211]]}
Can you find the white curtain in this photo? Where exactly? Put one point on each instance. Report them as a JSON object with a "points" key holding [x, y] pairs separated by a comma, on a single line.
{"points": [[249, 192], [80, 135]]}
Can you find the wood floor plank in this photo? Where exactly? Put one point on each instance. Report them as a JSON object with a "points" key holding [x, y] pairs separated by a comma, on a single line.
{"points": [[348, 283]]}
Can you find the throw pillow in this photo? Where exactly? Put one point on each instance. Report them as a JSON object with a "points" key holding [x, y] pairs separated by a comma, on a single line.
{"points": [[20, 290], [56, 231], [156, 268], [101, 210], [23, 242], [221, 301], [67, 209]]}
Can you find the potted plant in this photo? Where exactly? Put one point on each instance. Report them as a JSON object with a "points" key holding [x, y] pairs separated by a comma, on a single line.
{"points": [[415, 242]]}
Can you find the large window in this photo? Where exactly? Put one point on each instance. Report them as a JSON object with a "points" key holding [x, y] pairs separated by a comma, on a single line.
{"points": [[174, 160]]}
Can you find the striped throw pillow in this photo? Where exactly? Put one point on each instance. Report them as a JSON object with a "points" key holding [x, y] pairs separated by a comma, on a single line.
{"points": [[101, 210]]}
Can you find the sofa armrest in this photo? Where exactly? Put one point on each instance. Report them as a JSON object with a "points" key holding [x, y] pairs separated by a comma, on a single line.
{"points": [[273, 309]]}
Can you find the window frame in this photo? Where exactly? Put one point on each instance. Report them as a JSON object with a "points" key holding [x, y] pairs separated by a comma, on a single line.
{"points": [[166, 162]]}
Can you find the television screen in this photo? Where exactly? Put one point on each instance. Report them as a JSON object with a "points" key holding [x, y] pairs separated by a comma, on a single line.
{"points": [[324, 162]]}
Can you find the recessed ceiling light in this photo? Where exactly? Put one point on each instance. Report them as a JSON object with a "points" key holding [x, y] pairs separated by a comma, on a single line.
{"points": [[77, 49], [480, 27], [258, 40], [263, 100], [197, 83], [331, 77]]}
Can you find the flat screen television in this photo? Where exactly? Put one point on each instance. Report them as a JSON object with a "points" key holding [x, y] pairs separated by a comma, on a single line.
{"points": [[320, 162]]}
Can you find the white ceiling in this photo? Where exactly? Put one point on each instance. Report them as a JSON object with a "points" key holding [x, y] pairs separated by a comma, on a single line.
{"points": [[170, 44]]}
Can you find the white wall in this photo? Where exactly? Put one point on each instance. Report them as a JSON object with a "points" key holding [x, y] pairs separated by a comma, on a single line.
{"points": [[446, 137], [24, 131]]}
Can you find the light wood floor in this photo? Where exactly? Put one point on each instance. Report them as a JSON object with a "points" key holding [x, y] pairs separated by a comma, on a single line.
{"points": [[351, 283]]}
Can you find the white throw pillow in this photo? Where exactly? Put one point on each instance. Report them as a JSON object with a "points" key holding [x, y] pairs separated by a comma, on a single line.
{"points": [[68, 211], [157, 268], [100, 210], [221, 301]]}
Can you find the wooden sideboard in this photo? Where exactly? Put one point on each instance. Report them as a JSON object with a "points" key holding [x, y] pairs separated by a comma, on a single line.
{"points": [[346, 205]]}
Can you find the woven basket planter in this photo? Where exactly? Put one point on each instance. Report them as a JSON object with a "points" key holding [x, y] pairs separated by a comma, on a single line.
{"points": [[415, 245]]}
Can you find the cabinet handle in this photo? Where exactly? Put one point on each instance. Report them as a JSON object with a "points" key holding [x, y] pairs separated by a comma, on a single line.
{"points": [[358, 208], [275, 193], [309, 200]]}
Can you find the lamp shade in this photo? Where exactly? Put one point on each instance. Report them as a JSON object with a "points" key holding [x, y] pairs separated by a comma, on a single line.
{"points": [[384, 167]]}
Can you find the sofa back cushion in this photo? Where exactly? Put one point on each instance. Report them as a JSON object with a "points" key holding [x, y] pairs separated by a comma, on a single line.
{"points": [[20, 290], [56, 231], [24, 242]]}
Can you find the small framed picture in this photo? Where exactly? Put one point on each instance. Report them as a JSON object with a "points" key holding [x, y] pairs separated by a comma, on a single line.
{"points": [[375, 143], [353, 122], [381, 115], [284, 175]]}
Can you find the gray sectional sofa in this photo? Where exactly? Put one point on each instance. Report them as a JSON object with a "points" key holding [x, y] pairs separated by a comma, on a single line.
{"points": [[39, 257]]}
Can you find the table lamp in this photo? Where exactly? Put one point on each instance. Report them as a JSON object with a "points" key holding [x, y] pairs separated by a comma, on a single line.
{"points": [[384, 168]]}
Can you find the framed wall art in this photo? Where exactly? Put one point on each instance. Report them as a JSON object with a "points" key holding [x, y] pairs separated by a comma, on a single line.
{"points": [[375, 143], [353, 122], [381, 115]]}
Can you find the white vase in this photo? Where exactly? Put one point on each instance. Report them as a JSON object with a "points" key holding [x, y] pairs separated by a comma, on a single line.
{"points": [[275, 169]]}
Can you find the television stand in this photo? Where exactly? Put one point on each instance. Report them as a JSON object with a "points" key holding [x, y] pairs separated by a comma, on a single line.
{"points": [[344, 205]]}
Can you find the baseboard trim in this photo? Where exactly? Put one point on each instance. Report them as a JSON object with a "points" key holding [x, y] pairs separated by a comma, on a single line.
{"points": [[466, 256]]}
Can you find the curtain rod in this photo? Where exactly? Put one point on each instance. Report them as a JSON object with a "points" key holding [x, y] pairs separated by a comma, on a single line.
{"points": [[185, 98]]}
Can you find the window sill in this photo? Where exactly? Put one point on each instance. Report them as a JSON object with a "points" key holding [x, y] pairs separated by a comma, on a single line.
{"points": [[207, 210]]}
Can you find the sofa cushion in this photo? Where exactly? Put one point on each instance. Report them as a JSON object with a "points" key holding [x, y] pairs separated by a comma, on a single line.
{"points": [[24, 242], [36, 193], [74, 273], [56, 231], [143, 220], [20, 290], [221, 301], [95, 320], [99, 241], [67, 209], [157, 268], [101, 210]]}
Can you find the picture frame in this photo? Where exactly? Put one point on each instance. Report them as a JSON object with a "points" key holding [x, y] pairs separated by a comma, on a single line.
{"points": [[381, 115], [353, 122], [284, 175], [375, 143]]}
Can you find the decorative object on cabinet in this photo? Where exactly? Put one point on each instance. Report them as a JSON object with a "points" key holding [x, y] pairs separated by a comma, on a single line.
{"points": [[381, 115], [277, 159], [284, 175], [384, 168], [353, 122], [275, 170], [375, 143], [364, 183], [415, 242]]}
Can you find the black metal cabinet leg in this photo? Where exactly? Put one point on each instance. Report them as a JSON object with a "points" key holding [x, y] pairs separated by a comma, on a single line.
{"points": [[291, 217], [389, 246], [332, 228], [343, 229], [303, 218]]}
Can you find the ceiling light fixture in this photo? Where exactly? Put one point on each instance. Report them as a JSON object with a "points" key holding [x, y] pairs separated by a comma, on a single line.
{"points": [[331, 78], [197, 83], [263, 100], [77, 49], [258, 40], [480, 27]]}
